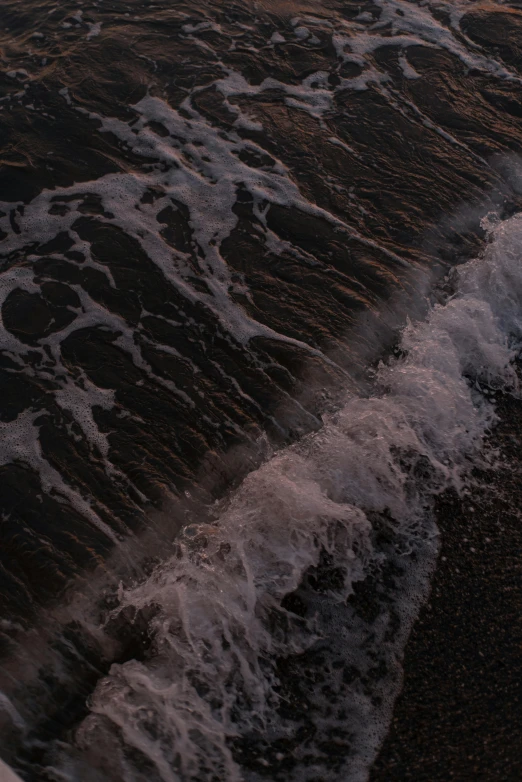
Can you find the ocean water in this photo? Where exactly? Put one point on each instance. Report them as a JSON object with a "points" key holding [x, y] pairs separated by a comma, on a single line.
{"points": [[219, 620], [240, 360]]}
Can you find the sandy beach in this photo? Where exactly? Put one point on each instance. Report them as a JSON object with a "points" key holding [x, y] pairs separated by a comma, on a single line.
{"points": [[459, 714]]}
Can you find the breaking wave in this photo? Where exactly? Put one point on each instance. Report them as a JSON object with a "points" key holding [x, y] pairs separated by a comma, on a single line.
{"points": [[275, 573], [137, 338]]}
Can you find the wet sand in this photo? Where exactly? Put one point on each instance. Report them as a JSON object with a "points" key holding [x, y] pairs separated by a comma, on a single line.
{"points": [[459, 714]]}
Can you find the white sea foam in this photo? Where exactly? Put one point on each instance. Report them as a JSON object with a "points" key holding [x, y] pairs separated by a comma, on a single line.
{"points": [[211, 677], [413, 24], [198, 166]]}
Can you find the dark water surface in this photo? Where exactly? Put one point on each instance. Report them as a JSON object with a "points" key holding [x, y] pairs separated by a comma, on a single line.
{"points": [[215, 218]]}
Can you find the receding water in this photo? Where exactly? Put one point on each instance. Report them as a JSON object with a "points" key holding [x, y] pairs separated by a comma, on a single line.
{"points": [[222, 435]]}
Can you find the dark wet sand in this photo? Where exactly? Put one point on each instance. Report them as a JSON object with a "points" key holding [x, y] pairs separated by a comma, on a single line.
{"points": [[459, 716]]}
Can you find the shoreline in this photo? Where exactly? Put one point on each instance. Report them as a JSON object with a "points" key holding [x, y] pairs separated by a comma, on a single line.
{"points": [[458, 715]]}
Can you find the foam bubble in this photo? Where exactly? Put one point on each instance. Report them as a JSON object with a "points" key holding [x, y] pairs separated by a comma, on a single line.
{"points": [[211, 676]]}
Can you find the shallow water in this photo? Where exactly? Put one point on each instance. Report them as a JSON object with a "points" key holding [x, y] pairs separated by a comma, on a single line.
{"points": [[214, 221]]}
